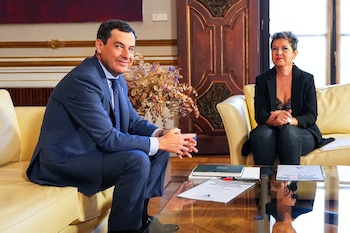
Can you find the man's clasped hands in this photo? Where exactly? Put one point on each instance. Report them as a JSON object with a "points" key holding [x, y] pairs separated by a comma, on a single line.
{"points": [[182, 144]]}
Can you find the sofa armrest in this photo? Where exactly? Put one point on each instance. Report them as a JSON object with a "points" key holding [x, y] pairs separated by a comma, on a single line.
{"points": [[234, 115], [30, 120]]}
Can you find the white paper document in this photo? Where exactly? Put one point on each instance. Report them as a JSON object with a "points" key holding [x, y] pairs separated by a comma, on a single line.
{"points": [[343, 174], [250, 173], [299, 173], [217, 190]]}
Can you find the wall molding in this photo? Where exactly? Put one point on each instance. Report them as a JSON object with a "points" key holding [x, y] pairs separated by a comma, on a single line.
{"points": [[30, 80], [29, 64], [168, 61], [56, 44]]}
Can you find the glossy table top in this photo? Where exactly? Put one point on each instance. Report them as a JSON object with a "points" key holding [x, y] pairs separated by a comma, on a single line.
{"points": [[305, 206]]}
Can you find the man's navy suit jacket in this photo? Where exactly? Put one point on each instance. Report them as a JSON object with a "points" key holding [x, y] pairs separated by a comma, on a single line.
{"points": [[79, 127]]}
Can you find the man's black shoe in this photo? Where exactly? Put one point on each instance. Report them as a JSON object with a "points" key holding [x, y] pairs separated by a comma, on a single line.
{"points": [[152, 225], [143, 229], [156, 227]]}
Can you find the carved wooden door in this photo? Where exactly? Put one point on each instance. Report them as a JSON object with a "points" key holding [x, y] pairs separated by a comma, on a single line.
{"points": [[218, 54]]}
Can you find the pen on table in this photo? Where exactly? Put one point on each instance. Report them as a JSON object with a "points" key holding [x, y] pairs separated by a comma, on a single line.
{"points": [[228, 178]]}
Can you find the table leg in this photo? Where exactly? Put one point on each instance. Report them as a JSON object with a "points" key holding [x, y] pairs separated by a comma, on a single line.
{"points": [[261, 221]]}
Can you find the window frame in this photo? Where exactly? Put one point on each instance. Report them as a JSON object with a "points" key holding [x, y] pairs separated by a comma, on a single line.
{"points": [[333, 37]]}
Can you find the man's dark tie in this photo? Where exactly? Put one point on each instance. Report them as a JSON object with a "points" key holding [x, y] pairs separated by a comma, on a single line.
{"points": [[116, 91]]}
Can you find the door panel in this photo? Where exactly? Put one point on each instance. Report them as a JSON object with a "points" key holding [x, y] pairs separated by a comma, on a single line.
{"points": [[216, 43]]}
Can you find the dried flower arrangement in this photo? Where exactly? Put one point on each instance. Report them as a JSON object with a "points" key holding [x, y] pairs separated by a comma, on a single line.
{"points": [[153, 87]]}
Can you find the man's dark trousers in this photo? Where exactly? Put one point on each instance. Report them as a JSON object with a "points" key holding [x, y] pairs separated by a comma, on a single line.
{"points": [[136, 177]]}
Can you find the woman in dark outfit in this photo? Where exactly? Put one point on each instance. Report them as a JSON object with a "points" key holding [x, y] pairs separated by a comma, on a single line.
{"points": [[285, 108]]}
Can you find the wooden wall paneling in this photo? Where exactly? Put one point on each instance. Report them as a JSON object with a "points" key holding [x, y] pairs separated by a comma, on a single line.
{"points": [[217, 52], [29, 96]]}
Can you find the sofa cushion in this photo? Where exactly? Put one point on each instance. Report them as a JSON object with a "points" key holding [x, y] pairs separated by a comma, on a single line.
{"points": [[32, 208], [29, 120], [333, 109], [332, 154], [9, 130], [94, 206]]}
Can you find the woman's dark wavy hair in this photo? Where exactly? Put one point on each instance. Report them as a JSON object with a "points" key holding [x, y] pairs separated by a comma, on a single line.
{"points": [[104, 31], [291, 37]]}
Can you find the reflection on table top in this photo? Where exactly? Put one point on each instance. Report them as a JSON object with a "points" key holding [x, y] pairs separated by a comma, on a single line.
{"points": [[305, 206]]}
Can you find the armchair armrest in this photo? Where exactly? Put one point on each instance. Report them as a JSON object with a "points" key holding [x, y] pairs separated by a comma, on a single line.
{"points": [[234, 115]]}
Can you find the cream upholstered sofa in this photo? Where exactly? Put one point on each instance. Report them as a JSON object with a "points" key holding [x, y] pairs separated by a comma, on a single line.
{"points": [[237, 114], [26, 207], [31, 208]]}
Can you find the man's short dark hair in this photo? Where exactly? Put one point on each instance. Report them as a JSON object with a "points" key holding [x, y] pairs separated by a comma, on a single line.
{"points": [[104, 31]]}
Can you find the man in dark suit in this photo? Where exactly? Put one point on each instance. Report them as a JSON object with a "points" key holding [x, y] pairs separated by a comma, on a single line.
{"points": [[93, 141]]}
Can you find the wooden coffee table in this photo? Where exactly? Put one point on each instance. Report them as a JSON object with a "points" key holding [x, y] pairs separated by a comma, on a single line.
{"points": [[328, 213]]}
